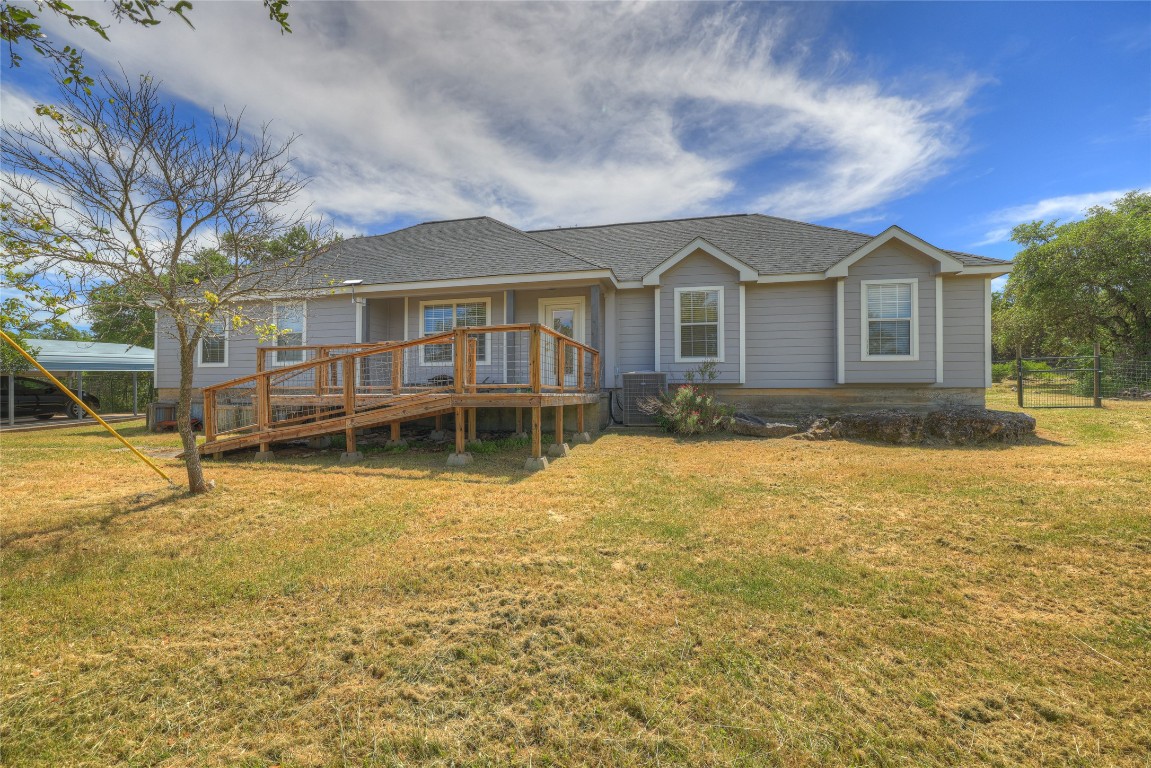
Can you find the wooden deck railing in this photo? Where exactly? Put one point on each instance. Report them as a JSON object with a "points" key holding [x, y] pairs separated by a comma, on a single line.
{"points": [[520, 357]]}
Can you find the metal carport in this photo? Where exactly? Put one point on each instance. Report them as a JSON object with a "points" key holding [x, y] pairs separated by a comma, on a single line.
{"points": [[80, 357]]}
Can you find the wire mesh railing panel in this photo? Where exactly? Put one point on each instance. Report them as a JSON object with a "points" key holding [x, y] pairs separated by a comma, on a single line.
{"points": [[236, 408], [589, 383], [427, 367], [300, 394], [549, 346], [517, 363]]}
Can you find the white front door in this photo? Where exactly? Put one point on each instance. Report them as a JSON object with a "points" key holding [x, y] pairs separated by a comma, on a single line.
{"points": [[565, 315]]}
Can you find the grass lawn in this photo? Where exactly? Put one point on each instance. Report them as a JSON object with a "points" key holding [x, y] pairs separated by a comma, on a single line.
{"points": [[645, 601]]}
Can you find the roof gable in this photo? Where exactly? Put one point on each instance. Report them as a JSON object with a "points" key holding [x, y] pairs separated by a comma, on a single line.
{"points": [[947, 263], [746, 273]]}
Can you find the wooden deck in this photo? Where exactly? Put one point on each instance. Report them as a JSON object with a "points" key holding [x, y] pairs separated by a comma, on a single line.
{"points": [[526, 367]]}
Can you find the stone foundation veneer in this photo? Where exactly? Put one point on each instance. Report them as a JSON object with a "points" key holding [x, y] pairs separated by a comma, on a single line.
{"points": [[847, 399]]}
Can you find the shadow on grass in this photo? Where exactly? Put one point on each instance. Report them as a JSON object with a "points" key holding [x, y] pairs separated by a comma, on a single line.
{"points": [[167, 496], [934, 444]]}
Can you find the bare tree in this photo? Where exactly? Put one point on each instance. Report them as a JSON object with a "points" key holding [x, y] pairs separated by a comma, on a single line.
{"points": [[116, 189]]}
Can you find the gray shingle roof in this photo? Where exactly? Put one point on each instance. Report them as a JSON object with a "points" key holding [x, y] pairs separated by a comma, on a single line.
{"points": [[444, 250], [484, 247], [770, 245]]}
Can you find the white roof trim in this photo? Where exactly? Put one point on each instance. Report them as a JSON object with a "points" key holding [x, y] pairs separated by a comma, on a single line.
{"points": [[699, 244], [795, 277], [946, 263], [994, 270], [493, 280]]}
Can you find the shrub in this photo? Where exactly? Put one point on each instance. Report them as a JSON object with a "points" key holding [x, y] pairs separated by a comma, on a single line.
{"points": [[1006, 369], [690, 409]]}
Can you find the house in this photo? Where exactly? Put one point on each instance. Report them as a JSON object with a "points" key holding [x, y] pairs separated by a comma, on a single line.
{"points": [[795, 316]]}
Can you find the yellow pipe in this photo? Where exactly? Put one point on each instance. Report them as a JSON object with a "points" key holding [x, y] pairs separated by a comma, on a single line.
{"points": [[84, 405]]}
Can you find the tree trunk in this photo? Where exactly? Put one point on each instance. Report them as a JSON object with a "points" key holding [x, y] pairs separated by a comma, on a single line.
{"points": [[196, 482]]}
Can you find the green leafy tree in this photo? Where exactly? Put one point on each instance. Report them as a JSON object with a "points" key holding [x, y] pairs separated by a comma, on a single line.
{"points": [[120, 313], [196, 223], [1084, 281], [20, 23], [29, 311]]}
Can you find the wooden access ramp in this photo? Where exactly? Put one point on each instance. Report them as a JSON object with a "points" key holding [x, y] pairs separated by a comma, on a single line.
{"points": [[521, 366]]}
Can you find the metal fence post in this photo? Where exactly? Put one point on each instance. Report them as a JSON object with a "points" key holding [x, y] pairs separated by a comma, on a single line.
{"points": [[1019, 378], [1098, 378]]}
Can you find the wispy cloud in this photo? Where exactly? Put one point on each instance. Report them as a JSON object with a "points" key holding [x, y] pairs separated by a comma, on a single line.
{"points": [[1063, 207], [568, 113]]}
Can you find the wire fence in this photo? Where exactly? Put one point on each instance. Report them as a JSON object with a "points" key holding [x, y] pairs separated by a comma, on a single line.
{"points": [[116, 390], [1074, 381]]}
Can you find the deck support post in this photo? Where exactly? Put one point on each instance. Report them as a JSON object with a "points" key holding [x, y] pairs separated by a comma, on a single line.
{"points": [[559, 448], [536, 461], [581, 435], [438, 434], [472, 435], [520, 424], [461, 457], [394, 439]]}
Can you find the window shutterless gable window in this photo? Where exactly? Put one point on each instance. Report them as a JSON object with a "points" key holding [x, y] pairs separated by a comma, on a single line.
{"points": [[213, 350], [440, 316], [291, 321], [698, 324], [889, 327]]}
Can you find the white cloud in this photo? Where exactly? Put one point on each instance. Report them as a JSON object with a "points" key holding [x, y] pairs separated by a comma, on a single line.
{"points": [[546, 114], [1062, 207]]}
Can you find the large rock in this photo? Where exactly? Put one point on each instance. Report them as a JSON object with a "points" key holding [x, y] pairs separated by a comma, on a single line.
{"points": [[753, 426], [965, 426], [822, 429], [887, 426]]}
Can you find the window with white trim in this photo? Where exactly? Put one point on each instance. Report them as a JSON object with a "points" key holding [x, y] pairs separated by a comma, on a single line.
{"points": [[291, 321], [890, 319], [440, 316], [699, 324], [214, 345]]}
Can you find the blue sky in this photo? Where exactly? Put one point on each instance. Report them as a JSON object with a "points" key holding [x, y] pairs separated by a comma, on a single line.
{"points": [[954, 120]]}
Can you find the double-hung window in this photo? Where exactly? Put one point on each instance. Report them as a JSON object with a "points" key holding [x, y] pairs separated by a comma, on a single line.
{"points": [[890, 319], [214, 345], [290, 319], [440, 316], [699, 324]]}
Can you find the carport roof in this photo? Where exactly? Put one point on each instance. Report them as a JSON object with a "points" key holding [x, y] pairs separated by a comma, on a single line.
{"points": [[91, 356]]}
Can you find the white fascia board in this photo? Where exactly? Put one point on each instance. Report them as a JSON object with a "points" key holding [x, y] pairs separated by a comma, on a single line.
{"points": [[946, 263], [746, 273], [794, 277], [481, 282], [988, 270]]}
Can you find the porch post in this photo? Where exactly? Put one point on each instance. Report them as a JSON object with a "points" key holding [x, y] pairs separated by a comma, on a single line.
{"points": [[350, 453]]}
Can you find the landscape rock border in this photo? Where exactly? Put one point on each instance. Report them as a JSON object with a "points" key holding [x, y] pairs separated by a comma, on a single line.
{"points": [[954, 426]]}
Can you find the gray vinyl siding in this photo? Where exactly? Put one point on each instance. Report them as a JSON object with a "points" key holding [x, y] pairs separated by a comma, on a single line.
{"points": [[791, 335], [635, 330], [330, 320], [893, 261], [964, 342], [385, 320], [698, 271]]}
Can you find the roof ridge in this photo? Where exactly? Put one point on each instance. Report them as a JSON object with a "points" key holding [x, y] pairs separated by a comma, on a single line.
{"points": [[528, 235], [634, 223], [814, 226]]}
